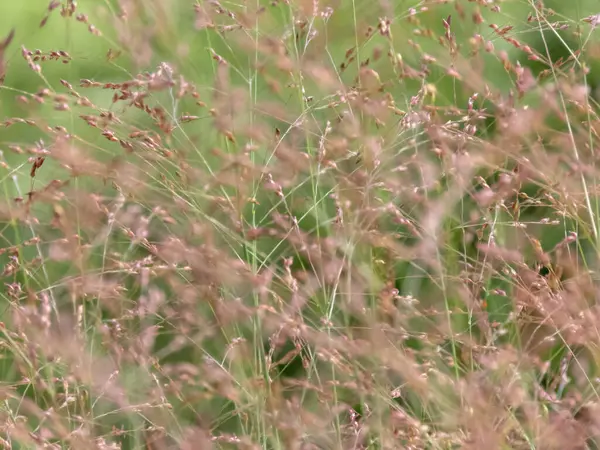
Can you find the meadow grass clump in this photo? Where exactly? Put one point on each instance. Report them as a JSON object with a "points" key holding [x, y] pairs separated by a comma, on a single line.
{"points": [[299, 225]]}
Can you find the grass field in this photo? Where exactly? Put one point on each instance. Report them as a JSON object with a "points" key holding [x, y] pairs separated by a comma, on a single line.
{"points": [[299, 224]]}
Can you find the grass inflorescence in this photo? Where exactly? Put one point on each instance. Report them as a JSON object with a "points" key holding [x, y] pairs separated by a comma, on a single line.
{"points": [[299, 225]]}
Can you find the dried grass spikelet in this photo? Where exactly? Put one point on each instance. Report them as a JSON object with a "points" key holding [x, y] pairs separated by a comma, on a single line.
{"points": [[560, 304], [325, 79], [204, 18], [521, 123], [96, 372], [108, 290], [369, 80], [74, 158], [208, 264], [196, 438], [129, 177], [12, 212], [561, 431], [136, 36]]}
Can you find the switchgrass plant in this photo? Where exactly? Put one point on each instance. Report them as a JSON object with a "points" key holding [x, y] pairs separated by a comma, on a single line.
{"points": [[299, 225]]}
